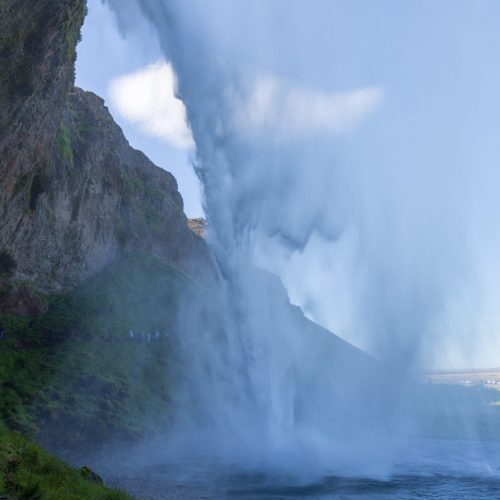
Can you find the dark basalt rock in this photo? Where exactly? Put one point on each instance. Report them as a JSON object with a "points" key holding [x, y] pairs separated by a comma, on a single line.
{"points": [[73, 194]]}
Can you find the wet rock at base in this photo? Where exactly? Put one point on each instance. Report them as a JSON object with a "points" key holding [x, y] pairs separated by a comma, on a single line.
{"points": [[88, 474]]}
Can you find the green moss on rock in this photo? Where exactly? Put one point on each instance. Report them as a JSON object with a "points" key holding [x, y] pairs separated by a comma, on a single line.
{"points": [[64, 144]]}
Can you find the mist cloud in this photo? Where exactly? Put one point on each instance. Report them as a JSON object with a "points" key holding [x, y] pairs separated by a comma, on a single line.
{"points": [[292, 112], [371, 241]]}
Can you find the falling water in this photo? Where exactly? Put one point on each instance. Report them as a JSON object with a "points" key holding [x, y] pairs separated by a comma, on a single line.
{"points": [[268, 388]]}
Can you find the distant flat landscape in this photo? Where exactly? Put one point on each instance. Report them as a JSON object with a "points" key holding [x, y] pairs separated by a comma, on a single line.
{"points": [[489, 378]]}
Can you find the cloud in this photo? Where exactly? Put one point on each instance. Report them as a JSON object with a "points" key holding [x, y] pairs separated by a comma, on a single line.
{"points": [[268, 105], [289, 112], [147, 99]]}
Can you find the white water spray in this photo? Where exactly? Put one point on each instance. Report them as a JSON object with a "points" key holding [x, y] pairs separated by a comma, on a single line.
{"points": [[277, 193]]}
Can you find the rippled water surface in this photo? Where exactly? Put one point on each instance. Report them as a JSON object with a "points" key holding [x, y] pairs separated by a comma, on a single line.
{"points": [[452, 469], [456, 456], [155, 484]]}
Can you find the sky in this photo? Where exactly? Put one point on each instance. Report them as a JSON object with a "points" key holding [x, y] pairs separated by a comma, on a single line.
{"points": [[138, 87], [407, 96]]}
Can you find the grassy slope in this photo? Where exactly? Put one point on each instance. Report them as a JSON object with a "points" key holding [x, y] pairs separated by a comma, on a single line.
{"points": [[28, 472], [73, 377]]}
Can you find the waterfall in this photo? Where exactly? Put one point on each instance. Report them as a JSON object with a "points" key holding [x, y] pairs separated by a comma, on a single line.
{"points": [[282, 197]]}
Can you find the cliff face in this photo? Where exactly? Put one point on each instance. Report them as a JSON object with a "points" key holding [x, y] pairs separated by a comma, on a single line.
{"points": [[94, 244], [74, 194]]}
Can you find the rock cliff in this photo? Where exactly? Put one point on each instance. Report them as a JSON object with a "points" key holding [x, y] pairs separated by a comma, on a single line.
{"points": [[73, 193], [94, 246]]}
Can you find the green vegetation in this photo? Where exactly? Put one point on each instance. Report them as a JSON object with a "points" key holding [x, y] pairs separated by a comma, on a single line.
{"points": [[22, 43], [28, 472], [76, 12], [23, 182], [83, 125], [74, 377], [131, 185], [64, 144], [145, 200]]}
